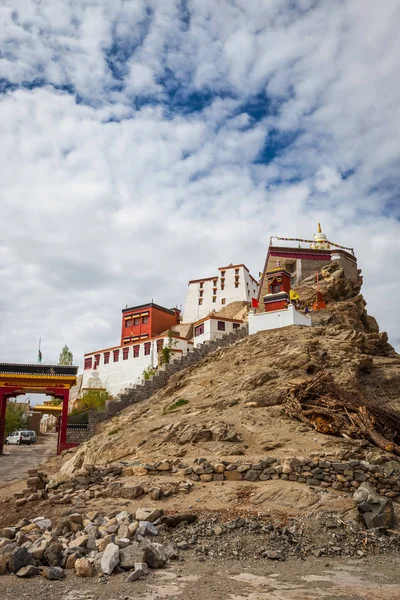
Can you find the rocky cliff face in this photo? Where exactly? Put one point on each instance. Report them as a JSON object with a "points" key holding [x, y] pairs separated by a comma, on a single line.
{"points": [[230, 403]]}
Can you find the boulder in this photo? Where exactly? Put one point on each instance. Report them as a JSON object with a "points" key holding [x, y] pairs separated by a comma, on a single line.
{"points": [[148, 514], [83, 568], [131, 555], [20, 558], [110, 558], [28, 571], [376, 510], [146, 528], [154, 556], [53, 554]]}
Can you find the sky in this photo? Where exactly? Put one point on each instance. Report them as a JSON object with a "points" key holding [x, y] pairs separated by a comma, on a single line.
{"points": [[148, 142]]}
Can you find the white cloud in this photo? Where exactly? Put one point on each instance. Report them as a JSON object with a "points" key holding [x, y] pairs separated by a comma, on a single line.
{"points": [[113, 190]]}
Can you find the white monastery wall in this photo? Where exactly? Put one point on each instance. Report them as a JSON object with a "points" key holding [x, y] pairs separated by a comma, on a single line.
{"points": [[118, 375], [232, 284], [276, 319], [209, 330]]}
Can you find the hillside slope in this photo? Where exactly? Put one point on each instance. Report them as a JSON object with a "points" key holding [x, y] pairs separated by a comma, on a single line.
{"points": [[230, 404]]}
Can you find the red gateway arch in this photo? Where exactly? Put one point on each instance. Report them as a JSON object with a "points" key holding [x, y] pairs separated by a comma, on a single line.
{"points": [[52, 380]]}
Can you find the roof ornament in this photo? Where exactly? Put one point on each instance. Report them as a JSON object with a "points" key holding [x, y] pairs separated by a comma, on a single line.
{"points": [[320, 240]]}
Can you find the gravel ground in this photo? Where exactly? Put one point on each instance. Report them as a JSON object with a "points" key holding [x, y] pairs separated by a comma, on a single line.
{"points": [[372, 578]]}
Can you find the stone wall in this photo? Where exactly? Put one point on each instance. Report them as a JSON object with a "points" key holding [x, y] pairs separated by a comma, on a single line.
{"points": [[77, 434], [151, 386]]}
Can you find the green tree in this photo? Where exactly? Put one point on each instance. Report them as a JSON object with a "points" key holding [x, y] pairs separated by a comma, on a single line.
{"points": [[149, 372], [165, 354], [66, 357], [15, 416], [91, 400]]}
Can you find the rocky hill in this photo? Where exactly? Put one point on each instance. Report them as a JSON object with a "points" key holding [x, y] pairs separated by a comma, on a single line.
{"points": [[233, 402], [284, 445]]}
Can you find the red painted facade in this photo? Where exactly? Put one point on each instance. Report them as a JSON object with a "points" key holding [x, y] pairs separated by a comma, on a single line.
{"points": [[146, 321]]}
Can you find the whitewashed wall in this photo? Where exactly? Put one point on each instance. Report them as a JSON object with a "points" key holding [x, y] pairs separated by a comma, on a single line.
{"points": [[246, 290], [117, 376], [211, 331], [276, 319]]}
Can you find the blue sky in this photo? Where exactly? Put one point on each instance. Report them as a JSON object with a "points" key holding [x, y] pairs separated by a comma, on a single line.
{"points": [[146, 143]]}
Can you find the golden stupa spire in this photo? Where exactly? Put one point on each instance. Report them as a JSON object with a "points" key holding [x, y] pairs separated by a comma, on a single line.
{"points": [[320, 240]]}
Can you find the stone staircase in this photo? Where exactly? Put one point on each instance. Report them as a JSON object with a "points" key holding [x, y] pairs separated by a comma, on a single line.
{"points": [[149, 387]]}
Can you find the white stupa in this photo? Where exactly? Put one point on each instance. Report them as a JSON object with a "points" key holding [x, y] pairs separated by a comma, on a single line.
{"points": [[320, 240]]}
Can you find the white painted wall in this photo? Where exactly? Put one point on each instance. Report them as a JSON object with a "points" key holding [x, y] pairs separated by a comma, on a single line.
{"points": [[246, 290], [211, 331], [276, 319], [117, 376]]}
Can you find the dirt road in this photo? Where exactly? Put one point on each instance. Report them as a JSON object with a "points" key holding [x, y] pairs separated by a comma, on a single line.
{"points": [[17, 460], [373, 578]]}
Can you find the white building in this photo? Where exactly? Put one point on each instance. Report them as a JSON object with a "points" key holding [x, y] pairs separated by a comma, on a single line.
{"points": [[233, 283], [275, 319], [213, 327], [122, 367]]}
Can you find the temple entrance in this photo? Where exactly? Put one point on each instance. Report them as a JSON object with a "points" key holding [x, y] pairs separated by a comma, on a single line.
{"points": [[51, 380]]}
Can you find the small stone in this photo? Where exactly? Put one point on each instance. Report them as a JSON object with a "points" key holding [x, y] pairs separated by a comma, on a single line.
{"points": [[52, 573], [273, 555]]}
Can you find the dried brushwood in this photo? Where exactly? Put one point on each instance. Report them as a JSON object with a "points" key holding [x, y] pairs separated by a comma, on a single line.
{"points": [[330, 409]]}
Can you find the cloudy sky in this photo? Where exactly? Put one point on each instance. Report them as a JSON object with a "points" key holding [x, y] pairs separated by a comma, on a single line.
{"points": [[147, 142]]}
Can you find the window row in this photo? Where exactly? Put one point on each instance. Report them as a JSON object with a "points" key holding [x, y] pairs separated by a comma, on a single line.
{"points": [[115, 354], [221, 326], [135, 321]]}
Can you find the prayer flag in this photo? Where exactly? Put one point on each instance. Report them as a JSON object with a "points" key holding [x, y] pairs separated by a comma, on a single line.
{"points": [[254, 302]]}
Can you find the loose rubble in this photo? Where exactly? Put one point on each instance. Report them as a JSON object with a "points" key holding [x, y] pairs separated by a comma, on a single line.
{"points": [[94, 544]]}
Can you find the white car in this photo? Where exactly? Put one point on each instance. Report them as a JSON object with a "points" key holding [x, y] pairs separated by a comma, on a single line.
{"points": [[32, 435], [19, 437]]}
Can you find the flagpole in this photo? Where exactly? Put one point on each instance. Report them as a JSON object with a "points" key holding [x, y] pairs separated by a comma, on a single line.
{"points": [[39, 352]]}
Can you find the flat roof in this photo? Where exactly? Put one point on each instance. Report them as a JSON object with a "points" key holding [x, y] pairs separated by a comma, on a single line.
{"points": [[170, 311], [37, 369]]}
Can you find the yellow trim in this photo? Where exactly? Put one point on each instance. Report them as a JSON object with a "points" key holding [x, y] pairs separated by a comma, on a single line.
{"points": [[63, 378]]}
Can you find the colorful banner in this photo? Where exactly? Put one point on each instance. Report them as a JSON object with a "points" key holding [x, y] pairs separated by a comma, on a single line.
{"points": [[309, 242]]}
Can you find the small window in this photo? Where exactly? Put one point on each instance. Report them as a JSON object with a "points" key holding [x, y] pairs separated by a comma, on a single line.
{"points": [[125, 353], [201, 293], [221, 325], [275, 288], [222, 286], [147, 348], [214, 298], [115, 355], [160, 345], [136, 350], [235, 325], [199, 330], [145, 320], [223, 300], [201, 284], [236, 284], [96, 360], [200, 301], [236, 271], [222, 273], [88, 363], [215, 282], [136, 321], [128, 323], [106, 358]]}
